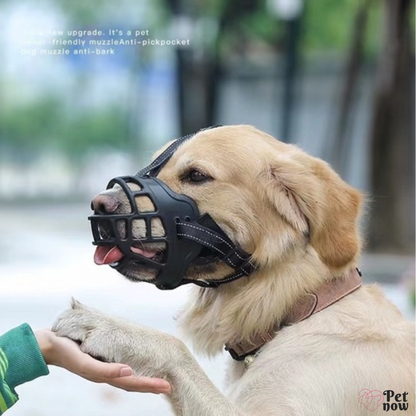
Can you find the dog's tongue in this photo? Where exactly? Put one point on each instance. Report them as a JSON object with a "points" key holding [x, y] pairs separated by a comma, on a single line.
{"points": [[145, 253], [107, 255]]}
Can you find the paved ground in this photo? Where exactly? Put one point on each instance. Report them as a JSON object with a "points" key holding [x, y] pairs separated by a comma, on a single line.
{"points": [[46, 257]]}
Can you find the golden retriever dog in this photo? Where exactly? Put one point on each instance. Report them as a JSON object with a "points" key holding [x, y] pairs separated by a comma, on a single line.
{"points": [[299, 222]]}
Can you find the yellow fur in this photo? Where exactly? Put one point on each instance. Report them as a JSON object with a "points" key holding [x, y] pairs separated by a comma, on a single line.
{"points": [[300, 222]]}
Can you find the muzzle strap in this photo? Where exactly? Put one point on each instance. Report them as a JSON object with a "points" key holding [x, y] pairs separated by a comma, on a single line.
{"points": [[217, 241], [154, 168], [214, 283]]}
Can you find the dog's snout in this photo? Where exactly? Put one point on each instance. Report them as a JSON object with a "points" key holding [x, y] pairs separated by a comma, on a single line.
{"points": [[104, 204]]}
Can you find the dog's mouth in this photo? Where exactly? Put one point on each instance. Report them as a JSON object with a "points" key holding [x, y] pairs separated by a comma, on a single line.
{"points": [[136, 270], [112, 255], [138, 267]]}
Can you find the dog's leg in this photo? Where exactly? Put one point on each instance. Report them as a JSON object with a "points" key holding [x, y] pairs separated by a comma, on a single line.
{"points": [[148, 352], [193, 393]]}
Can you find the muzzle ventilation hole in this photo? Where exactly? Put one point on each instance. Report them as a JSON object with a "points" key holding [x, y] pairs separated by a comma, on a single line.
{"points": [[157, 228], [144, 204], [139, 229]]}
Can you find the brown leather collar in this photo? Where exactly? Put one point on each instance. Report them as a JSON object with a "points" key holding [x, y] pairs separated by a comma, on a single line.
{"points": [[311, 303]]}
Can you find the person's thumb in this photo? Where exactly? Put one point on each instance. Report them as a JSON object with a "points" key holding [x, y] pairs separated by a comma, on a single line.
{"points": [[125, 371]]}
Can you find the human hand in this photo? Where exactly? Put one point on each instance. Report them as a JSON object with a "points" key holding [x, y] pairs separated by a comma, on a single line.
{"points": [[63, 352]]}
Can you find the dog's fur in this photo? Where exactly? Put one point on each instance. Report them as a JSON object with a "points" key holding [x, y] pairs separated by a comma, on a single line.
{"points": [[300, 221]]}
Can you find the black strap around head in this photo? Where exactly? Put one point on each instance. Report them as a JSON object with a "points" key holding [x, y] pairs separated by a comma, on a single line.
{"points": [[213, 283], [227, 251], [154, 168], [207, 232]]}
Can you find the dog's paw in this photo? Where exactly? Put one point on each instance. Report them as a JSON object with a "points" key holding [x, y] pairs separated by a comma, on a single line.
{"points": [[75, 322], [94, 331], [146, 350]]}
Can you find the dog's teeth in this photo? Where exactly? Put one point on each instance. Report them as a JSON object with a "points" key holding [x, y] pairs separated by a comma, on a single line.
{"points": [[115, 264]]}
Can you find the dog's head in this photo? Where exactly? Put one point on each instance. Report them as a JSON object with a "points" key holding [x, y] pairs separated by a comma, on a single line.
{"points": [[269, 197]]}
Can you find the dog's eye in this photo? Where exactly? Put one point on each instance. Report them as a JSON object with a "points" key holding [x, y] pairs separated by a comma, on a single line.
{"points": [[196, 176]]}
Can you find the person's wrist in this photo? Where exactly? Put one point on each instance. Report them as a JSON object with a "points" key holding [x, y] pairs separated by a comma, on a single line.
{"points": [[44, 337]]}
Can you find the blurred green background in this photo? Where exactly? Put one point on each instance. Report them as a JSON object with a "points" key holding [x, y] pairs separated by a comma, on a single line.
{"points": [[336, 78]]}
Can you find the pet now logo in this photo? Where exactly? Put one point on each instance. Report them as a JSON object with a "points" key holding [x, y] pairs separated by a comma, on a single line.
{"points": [[372, 399]]}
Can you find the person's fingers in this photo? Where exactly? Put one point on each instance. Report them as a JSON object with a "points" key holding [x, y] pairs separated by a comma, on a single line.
{"points": [[67, 354], [95, 370], [141, 384], [118, 375]]}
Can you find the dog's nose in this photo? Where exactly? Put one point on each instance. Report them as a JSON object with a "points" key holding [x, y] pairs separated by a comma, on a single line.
{"points": [[104, 204]]}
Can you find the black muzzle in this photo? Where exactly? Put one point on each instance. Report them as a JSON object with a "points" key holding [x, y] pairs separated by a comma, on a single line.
{"points": [[187, 236]]}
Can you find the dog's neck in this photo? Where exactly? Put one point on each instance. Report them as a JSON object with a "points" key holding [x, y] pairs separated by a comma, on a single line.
{"points": [[242, 310]]}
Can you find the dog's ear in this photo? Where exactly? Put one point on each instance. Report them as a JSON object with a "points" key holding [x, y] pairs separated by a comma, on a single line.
{"points": [[316, 201]]}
